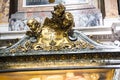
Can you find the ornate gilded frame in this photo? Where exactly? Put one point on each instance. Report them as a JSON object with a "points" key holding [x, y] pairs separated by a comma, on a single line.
{"points": [[46, 3], [23, 8]]}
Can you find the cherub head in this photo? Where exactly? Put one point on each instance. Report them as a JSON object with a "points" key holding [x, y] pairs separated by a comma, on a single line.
{"points": [[33, 24], [58, 10]]}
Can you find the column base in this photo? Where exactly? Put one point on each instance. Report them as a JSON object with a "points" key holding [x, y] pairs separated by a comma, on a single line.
{"points": [[109, 21]]}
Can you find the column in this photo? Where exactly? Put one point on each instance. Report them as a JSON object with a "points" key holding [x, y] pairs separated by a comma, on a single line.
{"points": [[4, 11], [111, 13], [111, 9]]}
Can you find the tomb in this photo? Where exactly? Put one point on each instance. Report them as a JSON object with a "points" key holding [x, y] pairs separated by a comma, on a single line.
{"points": [[54, 50]]}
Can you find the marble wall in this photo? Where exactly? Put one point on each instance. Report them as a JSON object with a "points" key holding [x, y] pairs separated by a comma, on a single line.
{"points": [[82, 18], [85, 15], [4, 11]]}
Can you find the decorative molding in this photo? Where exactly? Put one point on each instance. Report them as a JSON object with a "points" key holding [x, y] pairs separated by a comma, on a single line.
{"points": [[11, 35], [98, 33]]}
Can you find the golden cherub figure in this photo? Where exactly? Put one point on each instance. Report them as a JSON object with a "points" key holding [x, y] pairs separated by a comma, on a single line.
{"points": [[53, 35], [35, 27]]}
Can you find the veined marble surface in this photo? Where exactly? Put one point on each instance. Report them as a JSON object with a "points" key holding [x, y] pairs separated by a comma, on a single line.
{"points": [[83, 17]]}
